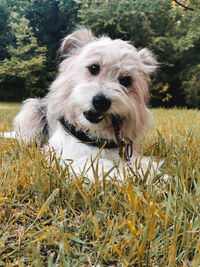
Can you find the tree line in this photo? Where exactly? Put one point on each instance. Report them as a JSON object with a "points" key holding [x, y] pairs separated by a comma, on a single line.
{"points": [[31, 30]]}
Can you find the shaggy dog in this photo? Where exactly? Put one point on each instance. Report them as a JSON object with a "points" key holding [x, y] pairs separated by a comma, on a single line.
{"points": [[98, 100]]}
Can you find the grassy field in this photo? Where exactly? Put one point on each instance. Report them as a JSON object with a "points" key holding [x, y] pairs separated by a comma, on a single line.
{"points": [[46, 221]]}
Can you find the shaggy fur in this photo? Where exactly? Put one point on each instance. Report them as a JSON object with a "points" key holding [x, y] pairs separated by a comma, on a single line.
{"points": [[71, 94]]}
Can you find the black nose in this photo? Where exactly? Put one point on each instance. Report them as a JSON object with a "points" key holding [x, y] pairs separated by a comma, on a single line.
{"points": [[101, 102]]}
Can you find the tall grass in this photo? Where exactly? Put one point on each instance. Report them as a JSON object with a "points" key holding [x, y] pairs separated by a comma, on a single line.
{"points": [[49, 217]]}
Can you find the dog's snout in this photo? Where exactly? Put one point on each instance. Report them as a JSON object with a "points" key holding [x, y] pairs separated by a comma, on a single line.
{"points": [[101, 102]]}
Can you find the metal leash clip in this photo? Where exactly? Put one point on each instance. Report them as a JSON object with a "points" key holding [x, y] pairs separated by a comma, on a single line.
{"points": [[126, 148], [125, 144]]}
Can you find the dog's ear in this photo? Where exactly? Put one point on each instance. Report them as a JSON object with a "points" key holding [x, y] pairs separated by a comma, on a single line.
{"points": [[148, 60], [76, 40]]}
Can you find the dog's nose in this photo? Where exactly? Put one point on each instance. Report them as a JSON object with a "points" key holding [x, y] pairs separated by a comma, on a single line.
{"points": [[101, 102]]}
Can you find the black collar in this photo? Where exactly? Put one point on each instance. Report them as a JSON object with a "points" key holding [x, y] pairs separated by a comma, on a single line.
{"points": [[84, 137]]}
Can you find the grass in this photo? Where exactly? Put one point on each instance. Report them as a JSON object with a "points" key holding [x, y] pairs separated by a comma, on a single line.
{"points": [[50, 218]]}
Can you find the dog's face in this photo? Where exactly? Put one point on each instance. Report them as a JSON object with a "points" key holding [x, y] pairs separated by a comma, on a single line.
{"points": [[101, 78]]}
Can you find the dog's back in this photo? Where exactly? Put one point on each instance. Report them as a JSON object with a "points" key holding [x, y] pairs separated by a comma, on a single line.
{"points": [[31, 120]]}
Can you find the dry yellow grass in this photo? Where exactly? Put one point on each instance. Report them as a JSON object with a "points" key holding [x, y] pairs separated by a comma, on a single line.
{"points": [[50, 218]]}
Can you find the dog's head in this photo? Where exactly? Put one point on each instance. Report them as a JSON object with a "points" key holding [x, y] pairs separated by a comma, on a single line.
{"points": [[100, 78]]}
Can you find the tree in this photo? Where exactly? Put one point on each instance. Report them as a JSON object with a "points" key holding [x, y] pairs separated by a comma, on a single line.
{"points": [[4, 16], [119, 19], [191, 85], [51, 20], [187, 46], [48, 22], [25, 60]]}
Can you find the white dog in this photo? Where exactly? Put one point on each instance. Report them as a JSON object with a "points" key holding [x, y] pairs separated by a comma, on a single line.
{"points": [[98, 99]]}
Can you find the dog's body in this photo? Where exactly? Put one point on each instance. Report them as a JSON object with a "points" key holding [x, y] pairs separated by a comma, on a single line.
{"points": [[99, 97]]}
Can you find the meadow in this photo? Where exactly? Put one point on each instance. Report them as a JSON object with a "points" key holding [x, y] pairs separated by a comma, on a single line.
{"points": [[51, 217]]}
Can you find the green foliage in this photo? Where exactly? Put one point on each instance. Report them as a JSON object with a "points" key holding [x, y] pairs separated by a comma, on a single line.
{"points": [[47, 23], [188, 36], [120, 19], [4, 16], [51, 217], [51, 20], [191, 86], [25, 58]]}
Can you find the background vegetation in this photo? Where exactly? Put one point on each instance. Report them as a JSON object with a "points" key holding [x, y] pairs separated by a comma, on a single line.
{"points": [[31, 30], [49, 217]]}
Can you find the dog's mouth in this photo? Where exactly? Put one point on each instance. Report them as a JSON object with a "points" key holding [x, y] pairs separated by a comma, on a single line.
{"points": [[93, 116]]}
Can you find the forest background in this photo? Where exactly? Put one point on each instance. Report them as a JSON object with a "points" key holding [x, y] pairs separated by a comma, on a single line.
{"points": [[31, 31]]}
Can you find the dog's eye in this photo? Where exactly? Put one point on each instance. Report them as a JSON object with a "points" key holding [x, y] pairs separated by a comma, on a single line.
{"points": [[94, 69], [126, 81]]}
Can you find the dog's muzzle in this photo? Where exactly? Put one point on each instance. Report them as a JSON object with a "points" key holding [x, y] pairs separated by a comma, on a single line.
{"points": [[101, 103], [93, 116]]}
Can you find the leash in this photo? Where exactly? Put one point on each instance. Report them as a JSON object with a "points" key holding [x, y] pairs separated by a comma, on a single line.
{"points": [[125, 144]]}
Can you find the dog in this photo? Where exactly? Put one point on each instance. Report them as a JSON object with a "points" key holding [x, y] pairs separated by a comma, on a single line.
{"points": [[97, 105]]}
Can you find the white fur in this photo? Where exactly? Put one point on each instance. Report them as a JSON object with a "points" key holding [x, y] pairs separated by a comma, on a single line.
{"points": [[71, 94], [68, 148]]}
